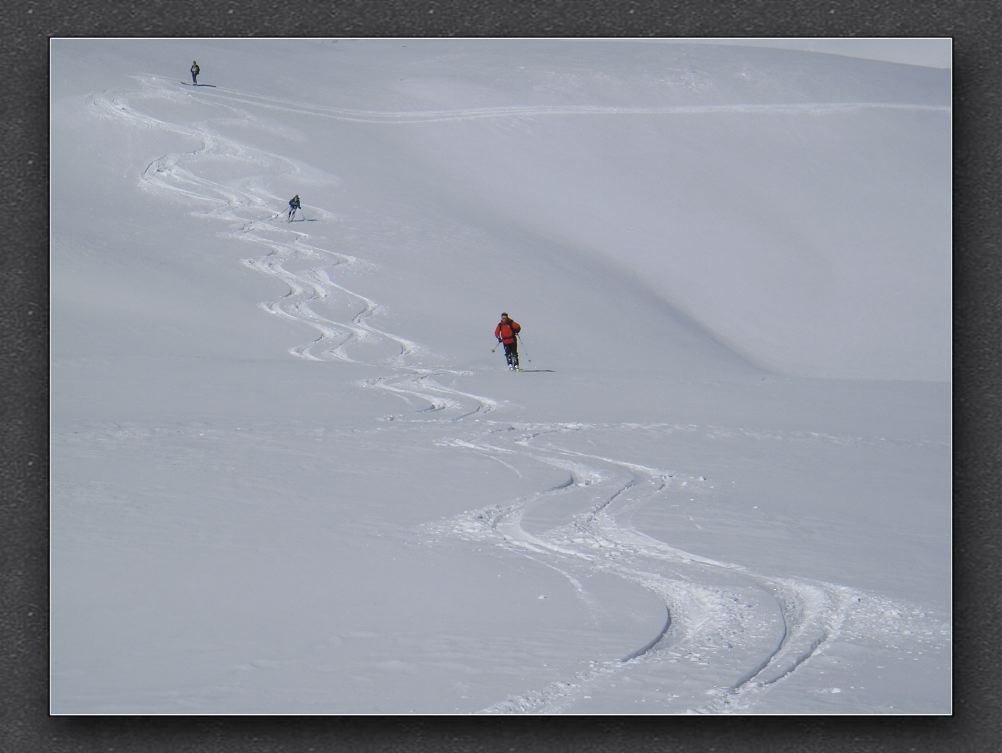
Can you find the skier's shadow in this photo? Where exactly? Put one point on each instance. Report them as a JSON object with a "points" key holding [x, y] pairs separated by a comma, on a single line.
{"points": [[211, 86]]}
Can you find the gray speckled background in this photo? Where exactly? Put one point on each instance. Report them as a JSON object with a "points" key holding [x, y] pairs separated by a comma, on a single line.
{"points": [[27, 26]]}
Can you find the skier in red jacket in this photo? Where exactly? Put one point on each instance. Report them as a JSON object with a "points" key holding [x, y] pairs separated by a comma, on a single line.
{"points": [[507, 333]]}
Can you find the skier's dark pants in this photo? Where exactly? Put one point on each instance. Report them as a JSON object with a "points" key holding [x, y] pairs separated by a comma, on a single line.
{"points": [[194, 79], [511, 353]]}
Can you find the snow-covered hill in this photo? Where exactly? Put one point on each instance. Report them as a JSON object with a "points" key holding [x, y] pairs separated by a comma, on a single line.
{"points": [[290, 475]]}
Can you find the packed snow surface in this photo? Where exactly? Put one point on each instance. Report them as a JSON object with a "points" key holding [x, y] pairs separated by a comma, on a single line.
{"points": [[290, 475]]}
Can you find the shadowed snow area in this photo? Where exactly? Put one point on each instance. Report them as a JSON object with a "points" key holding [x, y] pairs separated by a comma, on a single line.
{"points": [[290, 475]]}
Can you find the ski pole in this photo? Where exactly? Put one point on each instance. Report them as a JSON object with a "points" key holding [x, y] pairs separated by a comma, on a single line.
{"points": [[521, 344]]}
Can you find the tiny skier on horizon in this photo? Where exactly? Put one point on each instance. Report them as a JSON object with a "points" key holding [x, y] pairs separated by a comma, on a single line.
{"points": [[293, 206], [195, 70], [507, 334]]}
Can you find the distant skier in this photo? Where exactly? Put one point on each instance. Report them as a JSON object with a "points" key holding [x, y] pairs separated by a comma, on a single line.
{"points": [[293, 206], [195, 70], [507, 334]]}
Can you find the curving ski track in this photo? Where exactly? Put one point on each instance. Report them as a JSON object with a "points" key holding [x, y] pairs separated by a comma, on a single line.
{"points": [[709, 606]]}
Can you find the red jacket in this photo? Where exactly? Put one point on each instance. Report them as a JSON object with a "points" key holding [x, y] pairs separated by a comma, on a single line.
{"points": [[506, 331]]}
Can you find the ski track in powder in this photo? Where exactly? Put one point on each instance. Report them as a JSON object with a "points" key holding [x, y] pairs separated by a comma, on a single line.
{"points": [[710, 607]]}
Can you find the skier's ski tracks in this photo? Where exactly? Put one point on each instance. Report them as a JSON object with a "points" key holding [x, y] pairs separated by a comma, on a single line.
{"points": [[405, 117], [313, 276], [712, 607]]}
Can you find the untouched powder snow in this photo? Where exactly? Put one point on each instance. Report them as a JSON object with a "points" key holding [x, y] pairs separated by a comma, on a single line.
{"points": [[289, 475]]}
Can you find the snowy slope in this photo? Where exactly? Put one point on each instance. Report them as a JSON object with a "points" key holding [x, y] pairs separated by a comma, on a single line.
{"points": [[289, 474]]}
